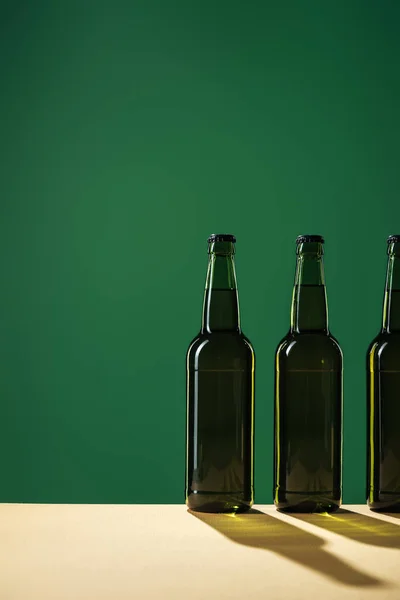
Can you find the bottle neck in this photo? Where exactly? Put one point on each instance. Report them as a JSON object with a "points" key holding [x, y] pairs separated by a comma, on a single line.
{"points": [[391, 305], [309, 304], [221, 304]]}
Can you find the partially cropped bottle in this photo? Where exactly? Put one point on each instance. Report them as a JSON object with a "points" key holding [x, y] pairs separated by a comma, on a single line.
{"points": [[383, 396], [220, 395], [308, 395]]}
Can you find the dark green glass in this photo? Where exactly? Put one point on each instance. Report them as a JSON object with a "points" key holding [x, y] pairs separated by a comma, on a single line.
{"points": [[308, 396], [383, 396], [220, 395]]}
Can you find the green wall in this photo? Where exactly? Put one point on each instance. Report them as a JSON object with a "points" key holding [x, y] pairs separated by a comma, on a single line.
{"points": [[130, 131]]}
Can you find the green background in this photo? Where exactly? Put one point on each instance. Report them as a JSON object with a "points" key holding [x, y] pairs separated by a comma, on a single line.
{"points": [[130, 131]]}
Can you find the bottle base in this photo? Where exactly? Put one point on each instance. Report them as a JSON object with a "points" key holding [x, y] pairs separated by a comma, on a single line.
{"points": [[218, 502], [385, 502], [303, 502]]}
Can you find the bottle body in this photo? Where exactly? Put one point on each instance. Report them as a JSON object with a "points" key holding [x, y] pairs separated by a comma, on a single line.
{"points": [[308, 396], [383, 423], [220, 395], [220, 422], [308, 424], [383, 396]]}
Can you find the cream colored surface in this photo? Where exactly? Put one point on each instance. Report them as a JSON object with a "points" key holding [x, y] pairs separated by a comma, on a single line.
{"points": [[57, 552]]}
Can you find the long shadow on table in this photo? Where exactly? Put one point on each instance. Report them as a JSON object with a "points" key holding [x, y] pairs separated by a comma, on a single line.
{"points": [[355, 526], [259, 530]]}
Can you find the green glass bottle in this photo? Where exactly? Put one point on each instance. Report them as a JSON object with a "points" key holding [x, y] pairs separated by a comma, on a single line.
{"points": [[308, 395], [383, 396], [220, 395]]}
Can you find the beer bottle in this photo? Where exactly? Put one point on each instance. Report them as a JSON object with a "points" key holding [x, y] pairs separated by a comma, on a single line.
{"points": [[220, 395], [308, 395], [383, 396]]}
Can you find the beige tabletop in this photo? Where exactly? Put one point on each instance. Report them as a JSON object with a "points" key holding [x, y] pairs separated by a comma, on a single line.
{"points": [[120, 552]]}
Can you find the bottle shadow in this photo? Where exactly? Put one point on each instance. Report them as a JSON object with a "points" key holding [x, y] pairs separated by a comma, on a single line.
{"points": [[259, 530], [357, 527]]}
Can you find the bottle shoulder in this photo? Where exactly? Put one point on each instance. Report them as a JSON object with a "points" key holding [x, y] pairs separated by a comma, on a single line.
{"points": [[384, 337], [219, 349], [300, 341], [384, 351], [309, 351]]}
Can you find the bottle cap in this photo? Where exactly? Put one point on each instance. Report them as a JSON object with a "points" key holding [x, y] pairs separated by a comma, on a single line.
{"points": [[393, 239], [303, 239], [221, 237]]}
